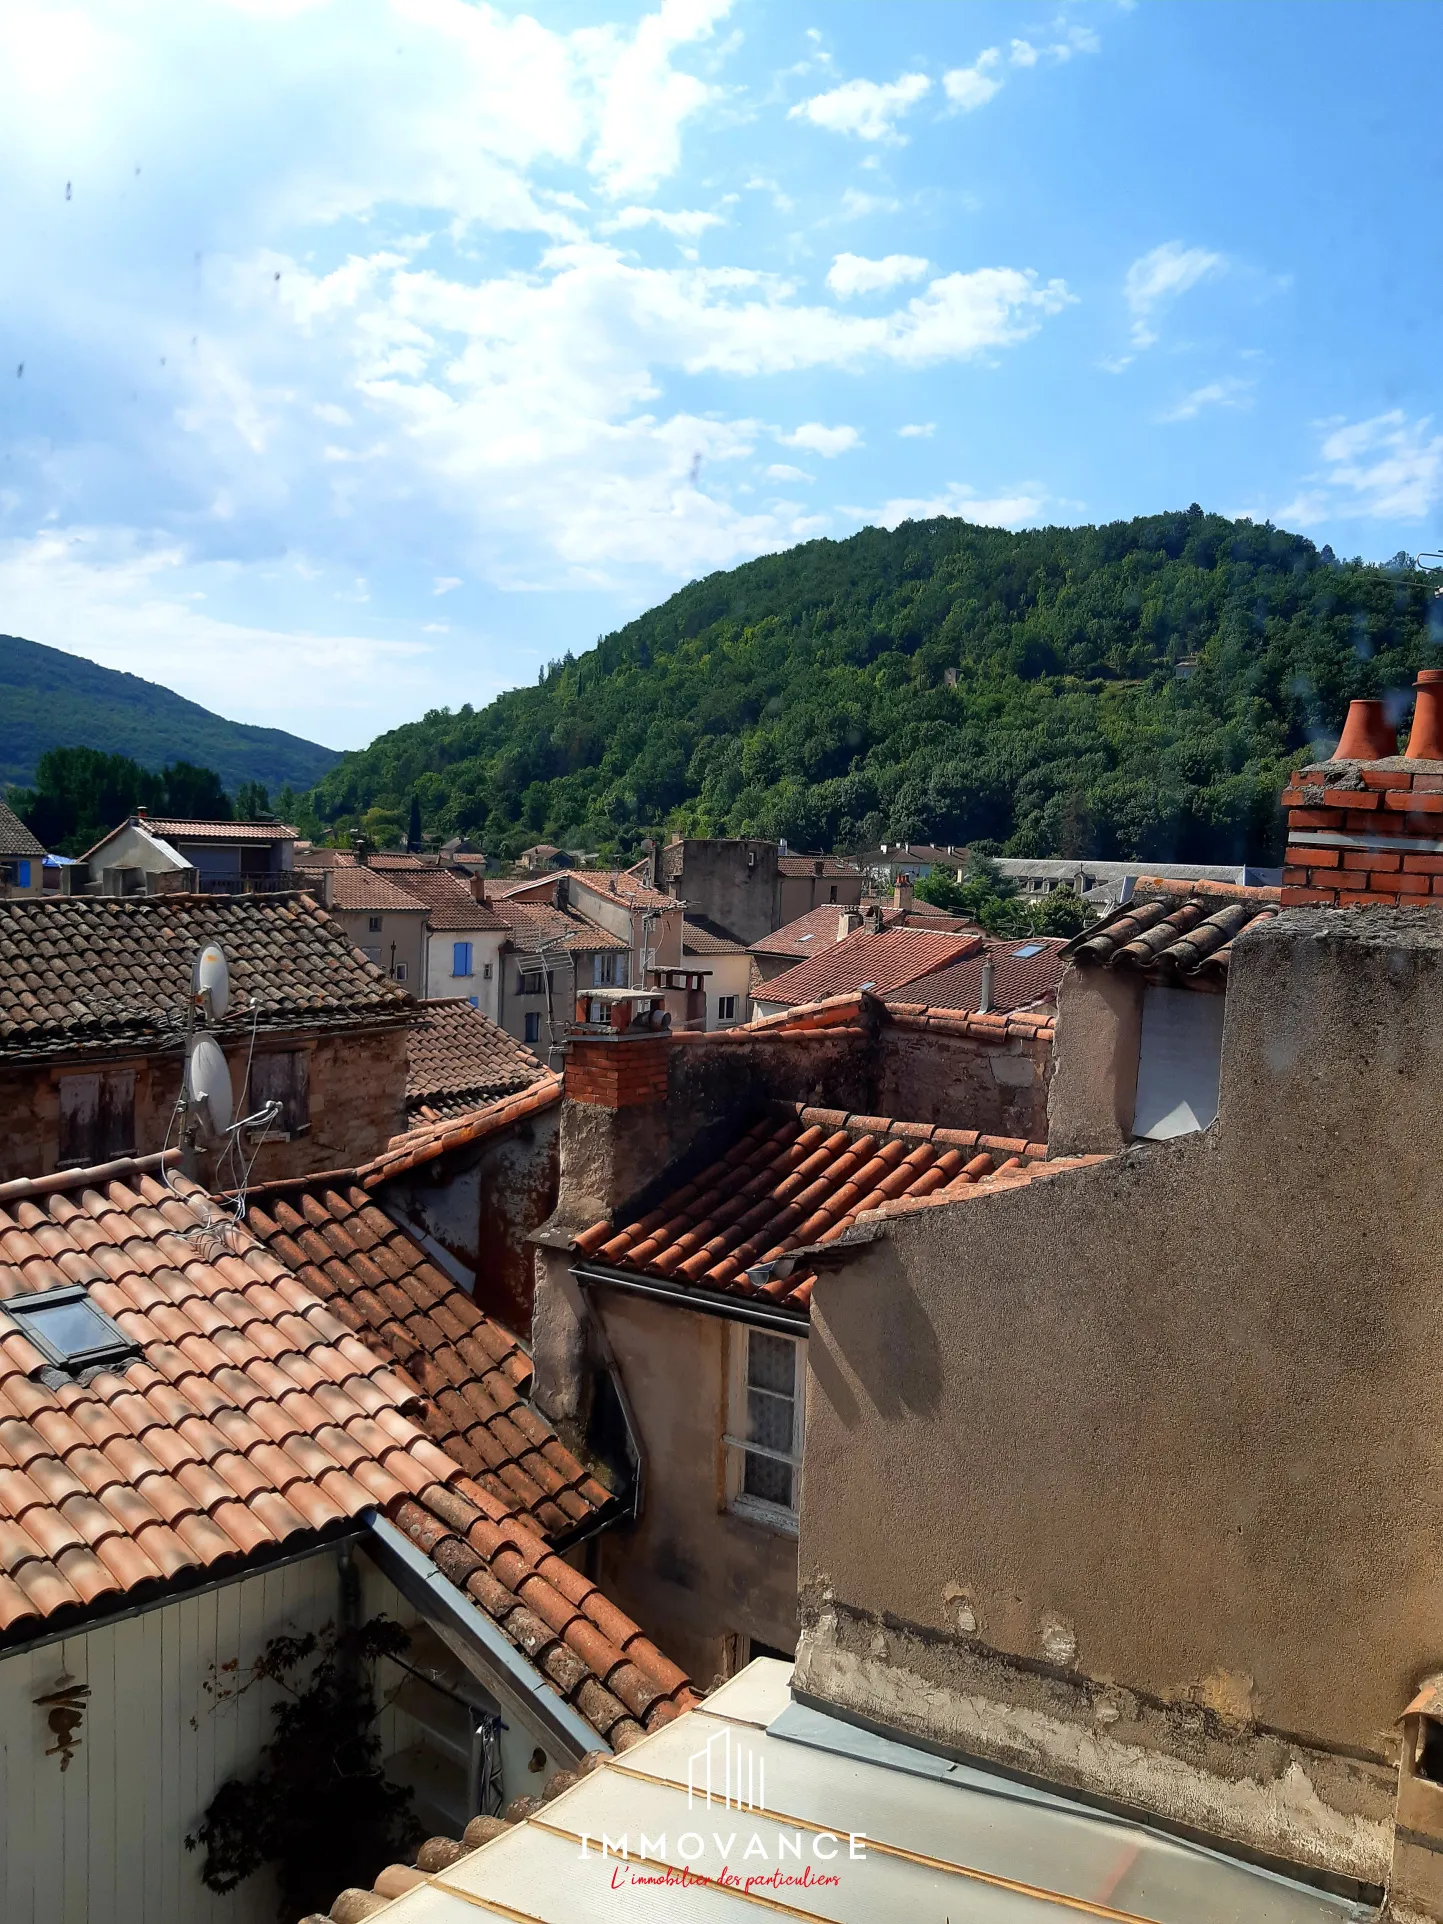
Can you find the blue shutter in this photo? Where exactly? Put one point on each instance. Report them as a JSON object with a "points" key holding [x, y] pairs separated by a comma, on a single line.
{"points": [[460, 958], [24, 874]]}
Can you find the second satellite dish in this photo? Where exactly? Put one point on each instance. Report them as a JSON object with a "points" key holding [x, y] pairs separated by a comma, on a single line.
{"points": [[211, 977], [210, 1089]]}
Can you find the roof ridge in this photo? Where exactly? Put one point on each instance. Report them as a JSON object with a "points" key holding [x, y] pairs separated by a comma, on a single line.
{"points": [[23, 1187]]}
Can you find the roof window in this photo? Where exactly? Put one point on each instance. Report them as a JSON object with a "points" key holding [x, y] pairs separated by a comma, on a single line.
{"points": [[1031, 948], [68, 1330]]}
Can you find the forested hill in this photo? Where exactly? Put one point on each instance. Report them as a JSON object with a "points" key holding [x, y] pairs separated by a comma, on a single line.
{"points": [[1134, 690], [50, 699]]}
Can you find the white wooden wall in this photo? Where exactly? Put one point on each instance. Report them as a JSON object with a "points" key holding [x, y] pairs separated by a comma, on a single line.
{"points": [[103, 1842]]}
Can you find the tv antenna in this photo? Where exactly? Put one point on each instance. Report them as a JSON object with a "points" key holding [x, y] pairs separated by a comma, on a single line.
{"points": [[206, 1104]]}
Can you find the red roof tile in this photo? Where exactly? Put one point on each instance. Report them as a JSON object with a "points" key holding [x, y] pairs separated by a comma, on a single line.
{"points": [[472, 1376], [809, 934], [1022, 972], [795, 1178], [450, 901], [1171, 934], [458, 1059], [168, 826], [15, 837], [878, 962], [537, 925], [255, 1419], [353, 886], [429, 1140], [619, 883], [700, 938], [823, 865]]}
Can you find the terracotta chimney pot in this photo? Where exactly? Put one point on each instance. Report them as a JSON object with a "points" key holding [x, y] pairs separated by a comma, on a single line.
{"points": [[1366, 735], [1425, 744]]}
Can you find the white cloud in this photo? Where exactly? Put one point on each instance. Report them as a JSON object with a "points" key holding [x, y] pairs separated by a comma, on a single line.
{"points": [[918, 430], [1229, 392], [779, 471], [998, 511], [1157, 279], [1024, 54], [852, 274], [867, 108], [685, 224], [644, 99], [857, 206], [118, 597], [445, 583], [1386, 467], [971, 87], [825, 441]]}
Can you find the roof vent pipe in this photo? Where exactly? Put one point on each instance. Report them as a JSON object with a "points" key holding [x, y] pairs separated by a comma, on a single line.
{"points": [[1366, 735], [1425, 743], [984, 1005]]}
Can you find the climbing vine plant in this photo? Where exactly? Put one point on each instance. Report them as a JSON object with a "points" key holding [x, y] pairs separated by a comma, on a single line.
{"points": [[318, 1807]]}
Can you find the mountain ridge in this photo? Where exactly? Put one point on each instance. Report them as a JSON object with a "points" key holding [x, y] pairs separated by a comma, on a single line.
{"points": [[1137, 689], [51, 699]]}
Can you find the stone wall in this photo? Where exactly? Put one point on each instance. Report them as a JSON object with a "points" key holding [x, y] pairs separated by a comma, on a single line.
{"points": [[995, 1084], [357, 1091]]}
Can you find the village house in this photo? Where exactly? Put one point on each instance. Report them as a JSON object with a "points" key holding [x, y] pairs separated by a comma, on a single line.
{"points": [[747, 887], [152, 854], [21, 857], [93, 995], [464, 936], [818, 929], [213, 1433], [385, 922], [880, 960], [690, 1165], [730, 972]]}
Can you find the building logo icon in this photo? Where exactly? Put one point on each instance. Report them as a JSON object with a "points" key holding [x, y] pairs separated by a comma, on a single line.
{"points": [[725, 1772]]}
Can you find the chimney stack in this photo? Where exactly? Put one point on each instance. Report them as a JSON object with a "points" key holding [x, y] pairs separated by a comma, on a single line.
{"points": [[984, 1000], [847, 921], [478, 888], [1368, 827], [902, 893]]}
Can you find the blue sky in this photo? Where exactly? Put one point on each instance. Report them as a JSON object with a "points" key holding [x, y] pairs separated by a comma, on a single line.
{"points": [[358, 356]]}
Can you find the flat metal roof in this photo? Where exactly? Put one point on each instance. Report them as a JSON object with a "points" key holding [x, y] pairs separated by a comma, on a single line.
{"points": [[754, 1806]]}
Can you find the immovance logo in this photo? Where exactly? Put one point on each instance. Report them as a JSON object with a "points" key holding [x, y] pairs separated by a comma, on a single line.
{"points": [[727, 1774]]}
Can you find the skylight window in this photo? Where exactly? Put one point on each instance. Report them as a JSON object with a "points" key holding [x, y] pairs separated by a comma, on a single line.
{"points": [[1032, 948], [68, 1330]]}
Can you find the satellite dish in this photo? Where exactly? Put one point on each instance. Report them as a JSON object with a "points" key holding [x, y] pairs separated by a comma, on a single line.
{"points": [[208, 1079], [210, 976]]}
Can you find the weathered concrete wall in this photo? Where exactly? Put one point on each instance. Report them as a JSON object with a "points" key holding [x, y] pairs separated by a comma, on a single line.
{"points": [[964, 1082], [715, 881], [1146, 1461], [1099, 1042], [688, 1569], [483, 1213], [400, 940], [357, 1087]]}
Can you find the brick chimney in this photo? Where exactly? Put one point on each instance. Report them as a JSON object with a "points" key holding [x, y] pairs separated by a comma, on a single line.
{"points": [[1371, 831], [902, 893], [478, 888]]}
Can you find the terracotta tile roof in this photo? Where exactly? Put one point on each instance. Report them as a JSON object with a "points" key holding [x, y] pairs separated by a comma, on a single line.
{"points": [[311, 857], [880, 962], [796, 1177], [454, 1053], [1018, 977], [817, 929], [505, 886], [700, 938], [252, 1422], [450, 901], [1174, 935], [472, 1376], [169, 826], [622, 884], [98, 972], [15, 837], [823, 865], [427, 1141], [356, 887], [537, 925]]}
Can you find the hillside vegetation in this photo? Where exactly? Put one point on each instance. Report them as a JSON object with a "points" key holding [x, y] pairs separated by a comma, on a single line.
{"points": [[941, 682], [49, 699]]}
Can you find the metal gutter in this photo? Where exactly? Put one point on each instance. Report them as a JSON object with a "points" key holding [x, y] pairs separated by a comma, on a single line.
{"points": [[518, 1686], [731, 1309]]}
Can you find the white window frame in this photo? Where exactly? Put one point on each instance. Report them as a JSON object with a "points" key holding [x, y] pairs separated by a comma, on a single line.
{"points": [[757, 1509], [401, 972], [726, 1008]]}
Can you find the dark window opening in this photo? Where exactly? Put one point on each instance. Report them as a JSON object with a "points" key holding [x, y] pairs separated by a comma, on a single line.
{"points": [[97, 1117], [533, 1026], [284, 1078], [68, 1330], [530, 983], [1430, 1750]]}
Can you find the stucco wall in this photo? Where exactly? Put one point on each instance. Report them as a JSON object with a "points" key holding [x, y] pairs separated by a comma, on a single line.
{"points": [[1143, 1465], [399, 939], [437, 979], [483, 1213], [688, 1569], [1098, 1042], [357, 1085]]}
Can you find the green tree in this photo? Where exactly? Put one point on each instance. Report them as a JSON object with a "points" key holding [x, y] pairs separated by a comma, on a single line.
{"points": [[80, 794]]}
